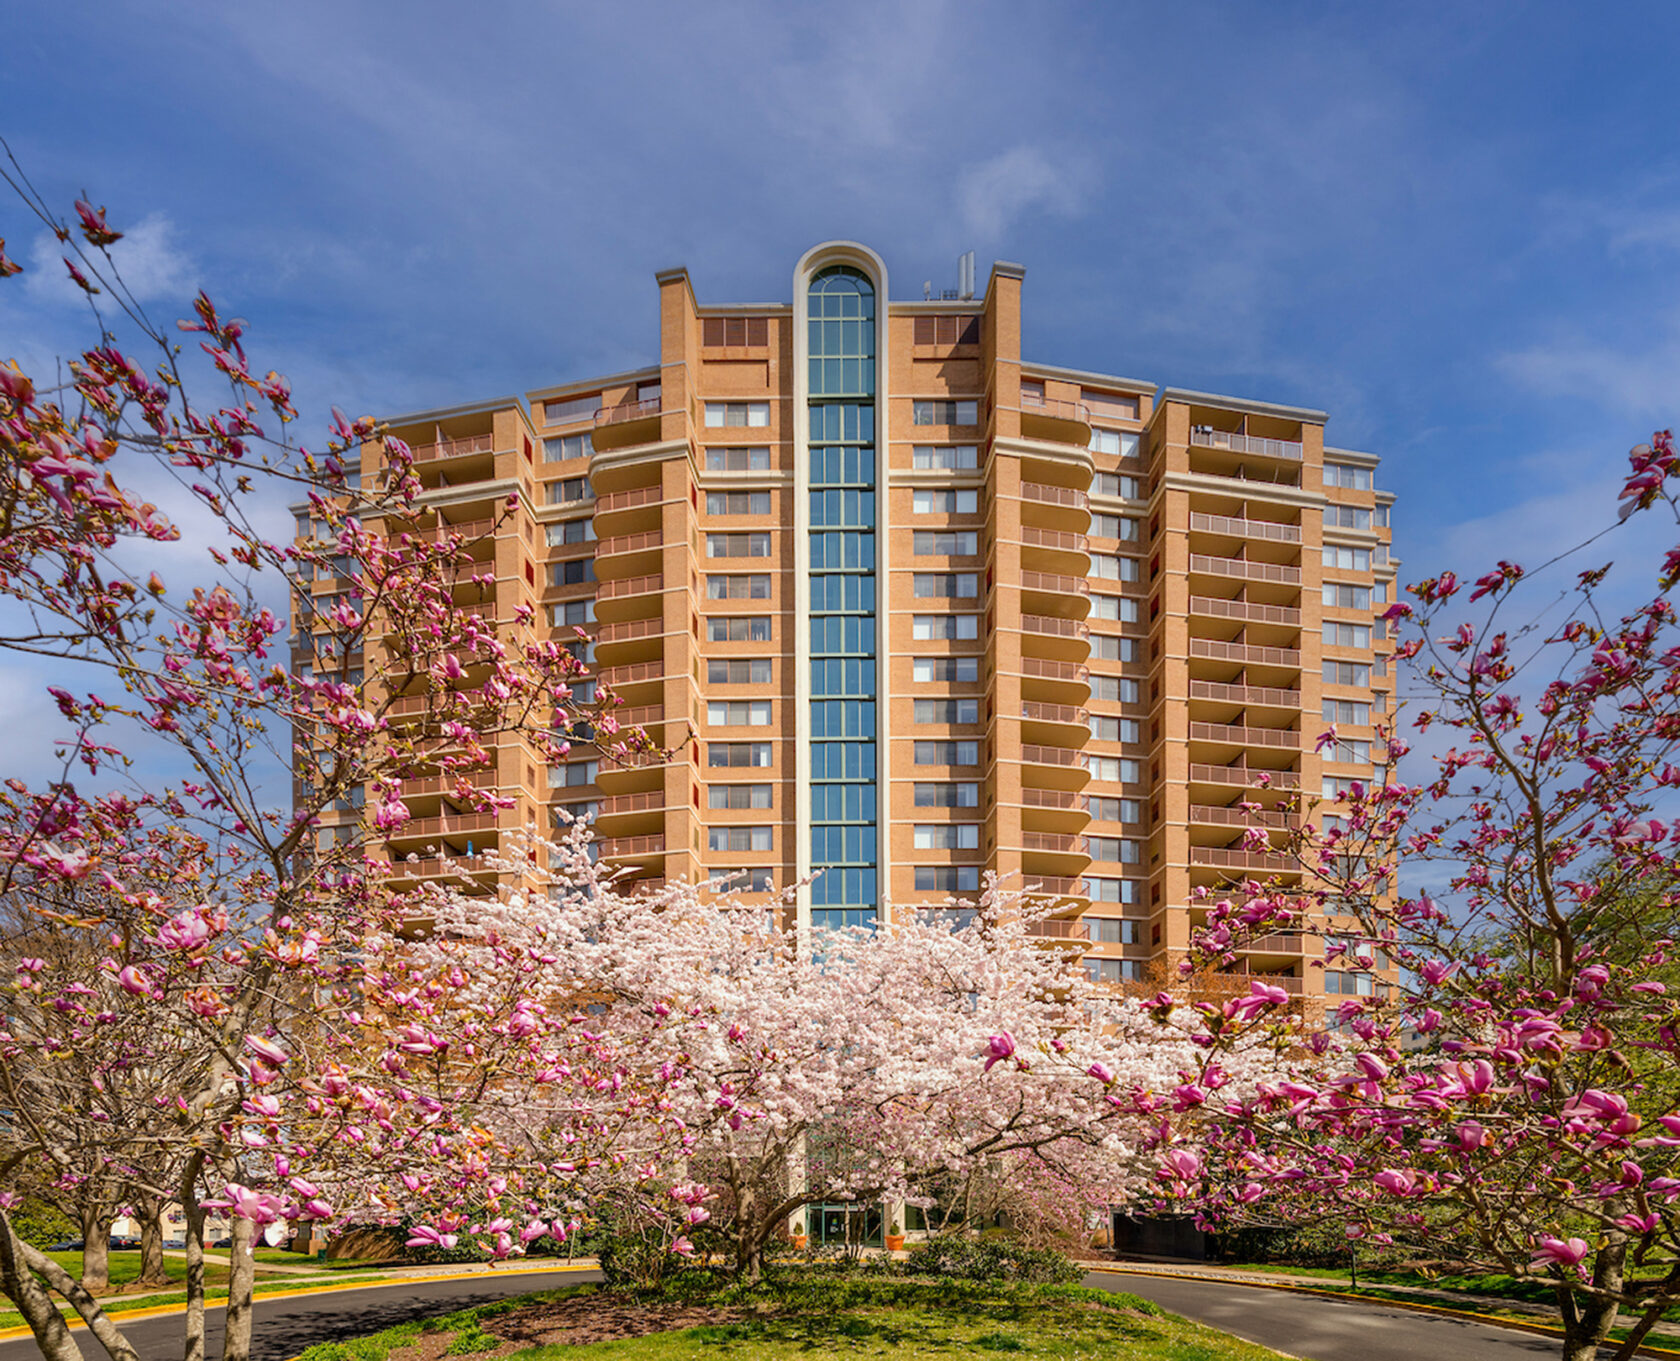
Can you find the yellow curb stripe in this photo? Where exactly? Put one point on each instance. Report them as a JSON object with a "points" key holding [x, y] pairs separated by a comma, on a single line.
{"points": [[1494, 1320], [379, 1283]]}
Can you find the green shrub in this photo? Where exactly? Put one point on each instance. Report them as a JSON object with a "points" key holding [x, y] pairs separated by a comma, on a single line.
{"points": [[990, 1259], [467, 1343]]}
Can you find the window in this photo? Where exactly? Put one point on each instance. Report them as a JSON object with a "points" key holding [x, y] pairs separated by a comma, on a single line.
{"points": [[572, 573], [569, 531], [1108, 729], [738, 460], [947, 711], [725, 754], [1347, 984], [1109, 648], [947, 878], [843, 718], [755, 586], [741, 881], [1111, 890], [1107, 568], [741, 629], [958, 669], [737, 503], [718, 332], [947, 836], [738, 670], [843, 550], [948, 457], [571, 409], [1114, 607], [1113, 931], [947, 753], [1114, 690], [564, 814], [1120, 442], [944, 585], [737, 796], [1346, 517], [1113, 810], [572, 773], [945, 413], [1347, 673], [927, 627], [1114, 770], [1115, 484], [1356, 753], [947, 330], [754, 415], [927, 502], [843, 676], [738, 713], [947, 795], [1347, 635], [1341, 596], [569, 490], [738, 545], [1114, 970], [1348, 559], [740, 838], [1340, 786], [563, 447], [1124, 528], [1379, 516], [573, 613], [959, 543], [1347, 711], [1113, 849], [1342, 475]]}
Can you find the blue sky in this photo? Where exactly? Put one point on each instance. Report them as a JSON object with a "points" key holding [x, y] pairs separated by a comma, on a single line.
{"points": [[1456, 227]]}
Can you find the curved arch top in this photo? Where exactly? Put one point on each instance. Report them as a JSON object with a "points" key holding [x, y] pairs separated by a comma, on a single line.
{"points": [[852, 253]]}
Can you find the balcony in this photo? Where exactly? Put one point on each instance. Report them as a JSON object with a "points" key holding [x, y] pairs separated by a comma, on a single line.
{"points": [[1288, 982], [1055, 540], [1059, 928], [632, 510], [652, 584], [629, 597], [1216, 608], [1220, 815], [1045, 495], [1241, 528], [1054, 843], [1249, 696], [1035, 711], [450, 826], [1055, 886], [620, 678], [617, 427], [1245, 653], [625, 545], [450, 785], [631, 847], [1244, 777], [1233, 735], [454, 448], [1241, 569], [1202, 437], [1058, 421], [1219, 857], [1056, 583]]}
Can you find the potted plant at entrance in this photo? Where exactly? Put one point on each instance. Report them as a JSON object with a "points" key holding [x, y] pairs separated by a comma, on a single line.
{"points": [[799, 1239], [895, 1236]]}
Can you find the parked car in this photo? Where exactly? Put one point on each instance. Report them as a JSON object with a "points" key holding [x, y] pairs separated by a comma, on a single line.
{"points": [[220, 1243], [125, 1244], [175, 1244], [67, 1245]]}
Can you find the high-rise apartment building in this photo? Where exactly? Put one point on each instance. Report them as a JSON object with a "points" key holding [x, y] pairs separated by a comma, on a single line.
{"points": [[909, 607]]}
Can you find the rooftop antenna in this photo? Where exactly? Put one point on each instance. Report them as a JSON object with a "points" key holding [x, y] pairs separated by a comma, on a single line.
{"points": [[965, 275], [927, 289]]}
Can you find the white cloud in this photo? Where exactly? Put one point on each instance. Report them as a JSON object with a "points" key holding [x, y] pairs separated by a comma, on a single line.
{"points": [[994, 193], [1639, 380], [150, 262]]}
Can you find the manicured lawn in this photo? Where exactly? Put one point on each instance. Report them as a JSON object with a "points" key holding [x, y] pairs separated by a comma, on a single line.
{"points": [[884, 1319], [280, 1257], [125, 1266]]}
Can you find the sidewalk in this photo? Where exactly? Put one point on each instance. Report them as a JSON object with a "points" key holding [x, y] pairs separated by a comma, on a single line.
{"points": [[1341, 1286]]}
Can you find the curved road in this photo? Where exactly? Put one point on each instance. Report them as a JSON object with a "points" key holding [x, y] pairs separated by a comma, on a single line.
{"points": [[1306, 1326]]}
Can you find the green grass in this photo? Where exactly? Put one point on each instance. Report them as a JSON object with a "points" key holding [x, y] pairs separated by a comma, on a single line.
{"points": [[125, 1267], [281, 1257], [875, 1319]]}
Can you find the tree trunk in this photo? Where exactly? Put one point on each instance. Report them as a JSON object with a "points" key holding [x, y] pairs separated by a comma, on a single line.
{"points": [[116, 1345], [1587, 1318], [19, 1283], [152, 1269], [96, 1249], [194, 1348], [242, 1270]]}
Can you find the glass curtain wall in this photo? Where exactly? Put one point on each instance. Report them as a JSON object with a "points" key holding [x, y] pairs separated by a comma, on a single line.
{"points": [[845, 823]]}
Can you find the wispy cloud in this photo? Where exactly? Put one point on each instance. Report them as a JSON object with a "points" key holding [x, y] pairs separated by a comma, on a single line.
{"points": [[149, 258], [994, 194], [1637, 380]]}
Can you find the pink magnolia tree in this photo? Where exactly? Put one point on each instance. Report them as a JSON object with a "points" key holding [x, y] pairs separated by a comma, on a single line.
{"points": [[231, 1046], [871, 1066], [1517, 1107]]}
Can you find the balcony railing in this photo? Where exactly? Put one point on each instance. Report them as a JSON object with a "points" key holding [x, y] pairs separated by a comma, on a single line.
{"points": [[1046, 669], [1054, 496], [467, 529], [1054, 928], [627, 411], [628, 847], [1237, 817], [629, 630], [1058, 842], [615, 676], [648, 801], [1276, 943], [424, 785], [454, 448], [1244, 652], [1221, 858], [1034, 711], [1288, 982], [1035, 754], [629, 500], [1241, 609], [1051, 406], [1060, 539], [629, 543], [1051, 886], [450, 824], [1245, 444], [1058, 628], [1246, 776], [1064, 799], [627, 586], [1243, 736], [1264, 695], [1244, 570], [1245, 528], [1055, 581]]}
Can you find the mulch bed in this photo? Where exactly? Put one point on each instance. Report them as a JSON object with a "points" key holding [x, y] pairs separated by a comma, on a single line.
{"points": [[595, 1317]]}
